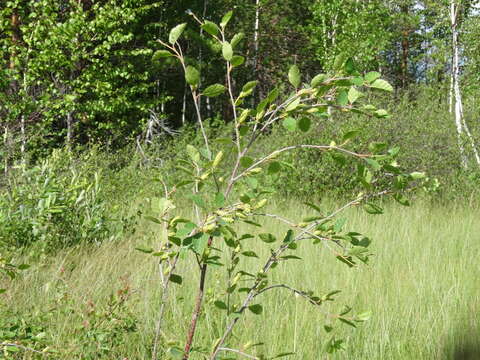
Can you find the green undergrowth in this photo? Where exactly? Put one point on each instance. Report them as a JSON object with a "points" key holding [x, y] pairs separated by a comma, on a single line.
{"points": [[101, 302]]}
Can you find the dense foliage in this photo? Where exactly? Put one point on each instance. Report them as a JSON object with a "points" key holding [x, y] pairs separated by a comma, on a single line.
{"points": [[173, 123]]}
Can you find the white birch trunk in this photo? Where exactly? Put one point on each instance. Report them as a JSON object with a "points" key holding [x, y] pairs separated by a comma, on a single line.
{"points": [[7, 151], [455, 82], [184, 105], [460, 122], [69, 128], [256, 34]]}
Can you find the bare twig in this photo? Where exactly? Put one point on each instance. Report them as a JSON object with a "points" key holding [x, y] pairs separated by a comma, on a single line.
{"points": [[294, 147], [295, 291], [23, 348]]}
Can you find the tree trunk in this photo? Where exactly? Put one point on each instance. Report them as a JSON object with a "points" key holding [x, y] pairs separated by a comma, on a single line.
{"points": [[460, 122], [256, 35], [405, 48], [455, 87], [69, 128]]}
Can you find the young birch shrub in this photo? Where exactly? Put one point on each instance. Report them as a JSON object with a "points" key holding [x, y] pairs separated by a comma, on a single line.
{"points": [[240, 194]]}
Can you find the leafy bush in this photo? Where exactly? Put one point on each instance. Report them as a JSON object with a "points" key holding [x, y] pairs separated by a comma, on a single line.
{"points": [[230, 184], [98, 330], [54, 205]]}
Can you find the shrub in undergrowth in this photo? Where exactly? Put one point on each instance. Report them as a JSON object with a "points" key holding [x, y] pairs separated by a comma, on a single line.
{"points": [[94, 330], [229, 181], [54, 205]]}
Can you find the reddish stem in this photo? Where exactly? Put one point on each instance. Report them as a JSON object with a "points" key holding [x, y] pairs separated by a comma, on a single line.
{"points": [[198, 307]]}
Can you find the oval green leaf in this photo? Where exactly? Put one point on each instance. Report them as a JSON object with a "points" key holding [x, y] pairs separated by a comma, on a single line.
{"points": [[211, 28], [176, 32], [192, 75], [294, 76], [227, 51], [290, 124], [214, 90]]}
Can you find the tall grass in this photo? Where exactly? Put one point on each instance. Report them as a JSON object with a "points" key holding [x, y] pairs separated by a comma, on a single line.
{"points": [[422, 289]]}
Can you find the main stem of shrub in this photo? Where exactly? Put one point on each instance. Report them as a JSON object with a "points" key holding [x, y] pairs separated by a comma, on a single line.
{"points": [[198, 307]]}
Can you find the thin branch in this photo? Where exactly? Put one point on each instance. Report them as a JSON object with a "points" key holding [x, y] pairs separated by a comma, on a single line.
{"points": [[23, 348], [294, 147], [296, 291]]}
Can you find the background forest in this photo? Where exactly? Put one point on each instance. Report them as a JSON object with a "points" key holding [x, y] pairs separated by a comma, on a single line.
{"points": [[97, 116]]}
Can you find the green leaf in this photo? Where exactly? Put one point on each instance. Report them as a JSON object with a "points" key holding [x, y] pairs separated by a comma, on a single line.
{"points": [[381, 113], [401, 199], [217, 160], [382, 85], [293, 105], [283, 355], [175, 353], [153, 219], [350, 135], [373, 163], [226, 18], [365, 316], [372, 76], [342, 98], [3, 291], [161, 205], [214, 90], [243, 130], [237, 60], [294, 76], [211, 28], [339, 62], [236, 39], [267, 238], [313, 206], [144, 250], [328, 328], [219, 200], [159, 54], [193, 153], [199, 242], [339, 224], [249, 86], [304, 124], [357, 81], [417, 175], [246, 161], [176, 32], [290, 124], [377, 147], [250, 254], [318, 80], [177, 279], [220, 304], [257, 309], [227, 51], [373, 209], [192, 75], [23, 267], [272, 95], [290, 257], [348, 322], [289, 237], [252, 182], [198, 200], [353, 95], [274, 167]]}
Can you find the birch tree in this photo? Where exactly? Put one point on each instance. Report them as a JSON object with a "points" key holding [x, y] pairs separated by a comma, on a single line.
{"points": [[455, 91]]}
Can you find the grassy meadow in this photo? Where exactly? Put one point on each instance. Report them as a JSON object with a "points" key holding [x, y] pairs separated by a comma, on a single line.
{"points": [[422, 287]]}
